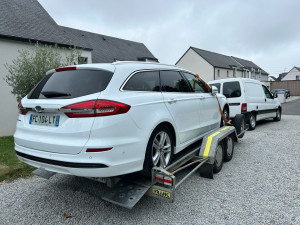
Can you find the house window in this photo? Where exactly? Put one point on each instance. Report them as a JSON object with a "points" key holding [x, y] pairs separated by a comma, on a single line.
{"points": [[218, 73], [234, 73], [82, 60], [227, 73], [297, 77]]}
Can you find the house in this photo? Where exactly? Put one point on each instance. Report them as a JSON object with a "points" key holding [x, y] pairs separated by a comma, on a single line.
{"points": [[23, 23], [108, 49], [293, 74], [281, 75], [214, 66], [272, 78]]}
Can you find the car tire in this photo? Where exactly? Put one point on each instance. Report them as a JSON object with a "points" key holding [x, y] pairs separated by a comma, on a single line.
{"points": [[239, 124], [159, 150], [229, 148], [219, 158], [278, 115], [252, 121]]}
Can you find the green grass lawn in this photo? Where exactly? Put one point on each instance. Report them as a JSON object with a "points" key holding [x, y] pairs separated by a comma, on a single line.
{"points": [[10, 166]]}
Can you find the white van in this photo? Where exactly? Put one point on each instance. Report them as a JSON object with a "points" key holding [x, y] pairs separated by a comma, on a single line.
{"points": [[249, 97]]}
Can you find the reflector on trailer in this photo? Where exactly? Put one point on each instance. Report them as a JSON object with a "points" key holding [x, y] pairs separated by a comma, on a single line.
{"points": [[159, 177], [168, 181], [164, 179]]}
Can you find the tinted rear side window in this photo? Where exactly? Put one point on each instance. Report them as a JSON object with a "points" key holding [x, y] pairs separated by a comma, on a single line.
{"points": [[172, 81], [75, 83], [217, 85], [232, 89], [143, 81]]}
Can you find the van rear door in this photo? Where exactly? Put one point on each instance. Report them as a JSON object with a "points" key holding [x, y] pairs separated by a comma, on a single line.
{"points": [[233, 92]]}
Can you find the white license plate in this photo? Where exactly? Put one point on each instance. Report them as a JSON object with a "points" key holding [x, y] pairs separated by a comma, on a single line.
{"points": [[44, 120]]}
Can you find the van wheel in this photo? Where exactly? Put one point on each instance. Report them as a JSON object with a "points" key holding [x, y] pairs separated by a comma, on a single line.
{"points": [[159, 150], [252, 121], [278, 115], [229, 148], [239, 124], [219, 158]]}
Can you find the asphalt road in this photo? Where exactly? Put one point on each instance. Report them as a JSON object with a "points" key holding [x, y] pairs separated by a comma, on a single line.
{"points": [[260, 185], [291, 108]]}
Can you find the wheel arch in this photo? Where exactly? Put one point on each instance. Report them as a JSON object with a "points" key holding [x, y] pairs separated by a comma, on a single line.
{"points": [[226, 106], [170, 126]]}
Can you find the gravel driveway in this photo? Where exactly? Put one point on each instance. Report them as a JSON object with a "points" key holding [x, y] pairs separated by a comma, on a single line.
{"points": [[261, 185]]}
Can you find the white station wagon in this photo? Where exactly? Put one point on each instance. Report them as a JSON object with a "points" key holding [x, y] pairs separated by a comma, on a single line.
{"points": [[103, 120]]}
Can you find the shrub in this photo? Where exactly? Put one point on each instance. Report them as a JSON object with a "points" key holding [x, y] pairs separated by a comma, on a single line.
{"points": [[31, 65]]}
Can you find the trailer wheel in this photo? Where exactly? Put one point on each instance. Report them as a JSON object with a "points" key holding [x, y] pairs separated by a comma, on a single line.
{"points": [[229, 148], [239, 124], [219, 158], [159, 150]]}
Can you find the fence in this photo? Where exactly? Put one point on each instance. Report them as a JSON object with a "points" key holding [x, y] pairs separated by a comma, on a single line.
{"points": [[292, 85]]}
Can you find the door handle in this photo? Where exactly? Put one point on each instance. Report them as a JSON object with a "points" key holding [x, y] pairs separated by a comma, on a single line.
{"points": [[201, 97], [171, 101]]}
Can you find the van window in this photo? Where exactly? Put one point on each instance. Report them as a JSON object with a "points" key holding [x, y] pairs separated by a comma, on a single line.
{"points": [[232, 89], [143, 81], [217, 85], [267, 92]]}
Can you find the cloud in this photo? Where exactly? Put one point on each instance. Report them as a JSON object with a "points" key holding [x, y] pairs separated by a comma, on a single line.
{"points": [[265, 32]]}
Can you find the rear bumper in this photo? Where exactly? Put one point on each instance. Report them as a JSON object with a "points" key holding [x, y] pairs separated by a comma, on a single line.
{"points": [[61, 163], [87, 165]]}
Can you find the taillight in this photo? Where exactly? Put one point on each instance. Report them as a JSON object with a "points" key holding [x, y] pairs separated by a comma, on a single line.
{"points": [[244, 107], [21, 109], [95, 108], [65, 68]]}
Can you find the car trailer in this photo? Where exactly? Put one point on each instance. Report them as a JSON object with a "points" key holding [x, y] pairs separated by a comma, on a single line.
{"points": [[206, 157]]}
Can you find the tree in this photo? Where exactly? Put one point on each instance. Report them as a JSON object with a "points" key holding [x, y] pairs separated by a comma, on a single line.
{"points": [[31, 66]]}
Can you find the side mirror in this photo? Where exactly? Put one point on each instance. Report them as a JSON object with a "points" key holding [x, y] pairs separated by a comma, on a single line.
{"points": [[214, 90], [275, 95]]}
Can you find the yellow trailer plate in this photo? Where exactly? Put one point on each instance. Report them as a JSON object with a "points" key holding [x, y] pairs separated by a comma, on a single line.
{"points": [[162, 193]]}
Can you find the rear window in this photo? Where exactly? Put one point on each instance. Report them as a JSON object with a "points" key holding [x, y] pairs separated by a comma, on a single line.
{"points": [[71, 84], [232, 89], [217, 85]]}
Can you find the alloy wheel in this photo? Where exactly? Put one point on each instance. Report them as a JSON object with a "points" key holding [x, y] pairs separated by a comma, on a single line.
{"points": [[161, 149]]}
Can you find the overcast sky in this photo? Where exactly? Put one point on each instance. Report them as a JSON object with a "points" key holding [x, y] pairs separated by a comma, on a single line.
{"points": [[266, 32]]}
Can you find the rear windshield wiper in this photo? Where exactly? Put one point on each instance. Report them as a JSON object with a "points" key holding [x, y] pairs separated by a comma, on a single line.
{"points": [[50, 94]]}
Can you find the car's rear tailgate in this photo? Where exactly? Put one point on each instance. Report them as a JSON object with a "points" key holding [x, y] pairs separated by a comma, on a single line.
{"points": [[67, 137]]}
